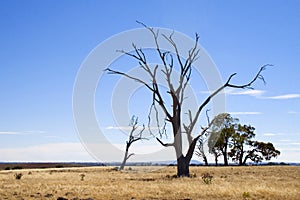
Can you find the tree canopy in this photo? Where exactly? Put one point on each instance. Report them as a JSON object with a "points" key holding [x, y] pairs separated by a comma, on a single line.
{"points": [[236, 142]]}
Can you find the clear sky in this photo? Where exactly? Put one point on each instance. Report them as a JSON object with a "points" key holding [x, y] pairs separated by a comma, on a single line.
{"points": [[43, 44]]}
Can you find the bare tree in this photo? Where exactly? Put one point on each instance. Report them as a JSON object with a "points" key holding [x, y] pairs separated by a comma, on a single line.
{"points": [[176, 89], [131, 139], [201, 152], [201, 142]]}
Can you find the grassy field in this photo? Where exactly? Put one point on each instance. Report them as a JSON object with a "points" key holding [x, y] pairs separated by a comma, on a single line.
{"points": [[263, 182]]}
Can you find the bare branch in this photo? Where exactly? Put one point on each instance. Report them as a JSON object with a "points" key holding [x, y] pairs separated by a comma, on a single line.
{"points": [[141, 132], [170, 39], [248, 85], [165, 144], [194, 142], [163, 130], [129, 156], [155, 89], [207, 117], [144, 25], [129, 54], [227, 84], [131, 139], [149, 117], [111, 71], [160, 100], [137, 137]]}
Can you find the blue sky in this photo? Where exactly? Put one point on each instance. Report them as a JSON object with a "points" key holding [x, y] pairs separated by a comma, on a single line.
{"points": [[44, 43]]}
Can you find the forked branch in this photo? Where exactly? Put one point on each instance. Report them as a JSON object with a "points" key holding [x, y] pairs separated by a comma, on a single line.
{"points": [[192, 146], [228, 84]]}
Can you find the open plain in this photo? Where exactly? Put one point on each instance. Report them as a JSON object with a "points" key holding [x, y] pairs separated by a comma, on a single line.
{"points": [[251, 182]]}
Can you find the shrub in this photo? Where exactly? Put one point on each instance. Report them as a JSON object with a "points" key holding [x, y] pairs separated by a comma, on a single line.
{"points": [[17, 167], [82, 177], [7, 168], [207, 178], [171, 177], [115, 169], [246, 195], [18, 176]]}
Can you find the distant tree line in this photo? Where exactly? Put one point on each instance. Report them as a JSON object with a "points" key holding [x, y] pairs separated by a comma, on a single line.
{"points": [[231, 140]]}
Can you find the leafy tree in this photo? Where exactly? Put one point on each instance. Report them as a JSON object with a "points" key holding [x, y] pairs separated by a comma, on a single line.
{"points": [[223, 128], [242, 136], [236, 141], [175, 91], [245, 148], [260, 151]]}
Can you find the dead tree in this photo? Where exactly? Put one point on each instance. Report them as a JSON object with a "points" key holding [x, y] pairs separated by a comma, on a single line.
{"points": [[200, 151], [176, 90], [131, 139], [201, 142]]}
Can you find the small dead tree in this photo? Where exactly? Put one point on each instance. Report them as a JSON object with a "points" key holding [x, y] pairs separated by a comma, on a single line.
{"points": [[200, 151], [131, 139], [201, 142], [176, 90]]}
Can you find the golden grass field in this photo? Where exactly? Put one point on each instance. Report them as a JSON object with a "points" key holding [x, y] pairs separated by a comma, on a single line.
{"points": [[252, 182]]}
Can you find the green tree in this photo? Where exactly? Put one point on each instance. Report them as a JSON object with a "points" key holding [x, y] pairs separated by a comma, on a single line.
{"points": [[236, 141], [242, 136], [260, 151], [245, 148], [223, 128]]}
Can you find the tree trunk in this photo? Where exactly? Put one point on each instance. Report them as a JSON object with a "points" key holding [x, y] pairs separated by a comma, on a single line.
{"points": [[225, 157], [241, 157], [125, 156], [245, 159], [216, 158], [183, 162], [225, 152], [124, 160], [205, 160], [183, 167]]}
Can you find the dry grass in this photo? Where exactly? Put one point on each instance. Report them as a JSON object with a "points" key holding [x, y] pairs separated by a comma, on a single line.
{"points": [[268, 182]]}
